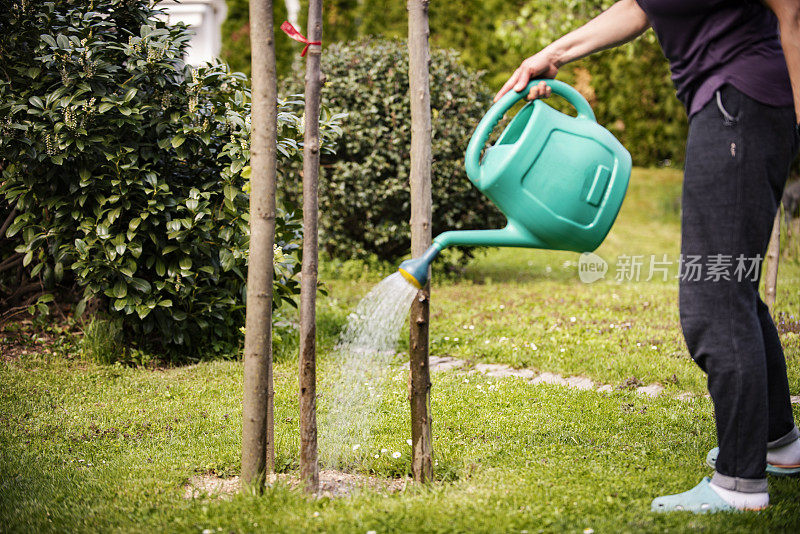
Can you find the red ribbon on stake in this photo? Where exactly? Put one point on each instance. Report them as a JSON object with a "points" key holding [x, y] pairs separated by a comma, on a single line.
{"points": [[292, 32]]}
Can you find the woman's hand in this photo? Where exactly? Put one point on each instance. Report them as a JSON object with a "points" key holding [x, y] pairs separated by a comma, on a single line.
{"points": [[540, 65]]}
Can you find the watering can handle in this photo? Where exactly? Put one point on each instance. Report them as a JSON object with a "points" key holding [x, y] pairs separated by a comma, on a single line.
{"points": [[501, 107]]}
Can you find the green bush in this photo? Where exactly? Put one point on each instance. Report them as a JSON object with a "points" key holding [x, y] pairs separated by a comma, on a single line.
{"points": [[364, 196], [127, 169]]}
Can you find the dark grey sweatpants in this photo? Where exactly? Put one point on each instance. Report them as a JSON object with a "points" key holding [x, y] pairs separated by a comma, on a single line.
{"points": [[737, 162]]}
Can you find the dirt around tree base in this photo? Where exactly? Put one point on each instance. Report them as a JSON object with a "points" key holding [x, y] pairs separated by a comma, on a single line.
{"points": [[331, 484]]}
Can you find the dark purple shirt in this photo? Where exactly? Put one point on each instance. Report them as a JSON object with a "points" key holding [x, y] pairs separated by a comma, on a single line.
{"points": [[713, 42]]}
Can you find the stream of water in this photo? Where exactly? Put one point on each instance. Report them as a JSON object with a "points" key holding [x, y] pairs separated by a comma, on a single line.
{"points": [[360, 368]]}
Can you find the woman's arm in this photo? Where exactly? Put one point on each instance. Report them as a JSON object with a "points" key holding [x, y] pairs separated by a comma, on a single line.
{"points": [[788, 13], [622, 22]]}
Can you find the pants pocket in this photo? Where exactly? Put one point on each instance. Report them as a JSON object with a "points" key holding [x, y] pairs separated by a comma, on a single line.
{"points": [[729, 104]]}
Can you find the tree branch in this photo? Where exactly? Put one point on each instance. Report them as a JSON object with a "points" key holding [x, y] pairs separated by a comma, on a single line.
{"points": [[22, 290], [11, 262], [7, 222], [17, 310]]}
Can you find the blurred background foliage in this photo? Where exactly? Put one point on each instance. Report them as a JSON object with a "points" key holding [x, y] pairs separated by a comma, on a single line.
{"points": [[628, 87]]}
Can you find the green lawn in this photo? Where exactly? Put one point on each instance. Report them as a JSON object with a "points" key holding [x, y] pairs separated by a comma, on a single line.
{"points": [[88, 447]]}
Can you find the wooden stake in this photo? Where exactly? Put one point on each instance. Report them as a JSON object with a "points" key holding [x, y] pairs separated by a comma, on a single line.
{"points": [[419, 394], [309, 463], [773, 257], [258, 448]]}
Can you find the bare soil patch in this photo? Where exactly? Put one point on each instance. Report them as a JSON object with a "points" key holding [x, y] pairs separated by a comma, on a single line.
{"points": [[331, 484], [23, 338]]}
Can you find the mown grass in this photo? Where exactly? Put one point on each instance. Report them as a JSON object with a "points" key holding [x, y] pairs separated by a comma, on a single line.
{"points": [[98, 448]]}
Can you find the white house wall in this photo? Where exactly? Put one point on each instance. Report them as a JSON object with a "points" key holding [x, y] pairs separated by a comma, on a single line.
{"points": [[204, 18]]}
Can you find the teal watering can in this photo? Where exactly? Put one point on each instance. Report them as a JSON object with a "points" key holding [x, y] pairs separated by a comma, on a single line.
{"points": [[559, 180]]}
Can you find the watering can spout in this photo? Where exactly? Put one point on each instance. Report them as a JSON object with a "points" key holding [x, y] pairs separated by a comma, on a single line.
{"points": [[510, 236], [415, 270]]}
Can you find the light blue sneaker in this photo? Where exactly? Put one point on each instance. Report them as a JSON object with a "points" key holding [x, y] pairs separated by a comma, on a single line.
{"points": [[774, 470], [700, 499]]}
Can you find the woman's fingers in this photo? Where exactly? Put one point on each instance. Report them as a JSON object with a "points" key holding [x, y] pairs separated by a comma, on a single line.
{"points": [[523, 78], [507, 86], [519, 80], [540, 90]]}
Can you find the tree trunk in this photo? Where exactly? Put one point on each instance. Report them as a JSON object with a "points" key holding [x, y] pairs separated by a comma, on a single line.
{"points": [[419, 394], [309, 465], [258, 447], [773, 257]]}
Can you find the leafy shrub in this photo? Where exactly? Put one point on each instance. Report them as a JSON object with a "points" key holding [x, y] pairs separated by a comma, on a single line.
{"points": [[127, 169], [364, 196]]}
